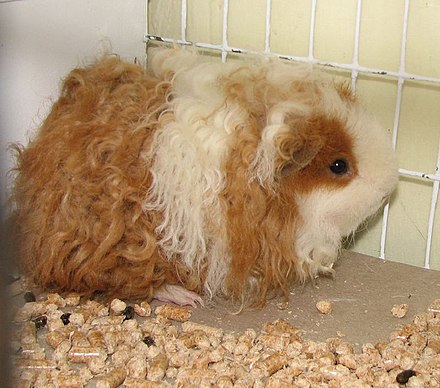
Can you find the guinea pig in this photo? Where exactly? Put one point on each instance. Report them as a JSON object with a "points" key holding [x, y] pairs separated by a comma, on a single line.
{"points": [[196, 179]]}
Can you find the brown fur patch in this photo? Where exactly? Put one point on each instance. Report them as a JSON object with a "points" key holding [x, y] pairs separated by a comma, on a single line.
{"points": [[247, 208], [261, 227], [81, 183], [335, 144]]}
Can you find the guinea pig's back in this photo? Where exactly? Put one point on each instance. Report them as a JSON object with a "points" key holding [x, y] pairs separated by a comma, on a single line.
{"points": [[82, 179]]}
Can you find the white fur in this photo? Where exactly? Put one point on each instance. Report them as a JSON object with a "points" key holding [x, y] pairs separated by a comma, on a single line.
{"points": [[188, 170]]}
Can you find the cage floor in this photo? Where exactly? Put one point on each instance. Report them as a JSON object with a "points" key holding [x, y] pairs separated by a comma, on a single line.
{"points": [[362, 293], [111, 349]]}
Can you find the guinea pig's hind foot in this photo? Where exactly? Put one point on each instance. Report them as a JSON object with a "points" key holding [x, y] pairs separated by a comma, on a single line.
{"points": [[178, 295]]}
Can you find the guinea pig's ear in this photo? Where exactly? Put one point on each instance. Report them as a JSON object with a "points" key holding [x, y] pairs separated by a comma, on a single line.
{"points": [[296, 148]]}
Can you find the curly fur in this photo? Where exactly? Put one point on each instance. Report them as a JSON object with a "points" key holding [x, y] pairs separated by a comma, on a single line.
{"points": [[207, 175]]}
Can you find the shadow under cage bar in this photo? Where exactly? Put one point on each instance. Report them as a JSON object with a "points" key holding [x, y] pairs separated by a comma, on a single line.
{"points": [[401, 75]]}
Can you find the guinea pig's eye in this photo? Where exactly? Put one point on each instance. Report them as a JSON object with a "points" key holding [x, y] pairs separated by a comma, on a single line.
{"points": [[339, 167]]}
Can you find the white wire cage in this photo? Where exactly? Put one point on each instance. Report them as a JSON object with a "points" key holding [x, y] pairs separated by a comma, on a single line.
{"points": [[428, 179]]}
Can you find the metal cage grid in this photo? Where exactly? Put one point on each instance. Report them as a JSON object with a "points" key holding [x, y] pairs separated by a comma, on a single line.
{"points": [[355, 68]]}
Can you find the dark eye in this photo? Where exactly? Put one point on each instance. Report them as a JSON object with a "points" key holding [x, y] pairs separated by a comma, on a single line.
{"points": [[339, 167]]}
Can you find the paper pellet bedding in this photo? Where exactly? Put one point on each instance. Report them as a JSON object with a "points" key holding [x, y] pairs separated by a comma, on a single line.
{"points": [[104, 346]]}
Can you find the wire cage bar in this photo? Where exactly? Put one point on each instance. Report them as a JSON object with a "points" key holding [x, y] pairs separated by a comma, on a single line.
{"points": [[401, 76]]}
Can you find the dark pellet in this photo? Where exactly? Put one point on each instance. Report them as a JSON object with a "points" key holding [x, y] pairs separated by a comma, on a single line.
{"points": [[29, 297], [65, 318], [40, 321], [404, 376], [128, 312], [149, 341]]}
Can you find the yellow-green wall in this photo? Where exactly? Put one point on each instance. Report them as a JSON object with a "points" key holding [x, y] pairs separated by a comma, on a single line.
{"points": [[380, 48]]}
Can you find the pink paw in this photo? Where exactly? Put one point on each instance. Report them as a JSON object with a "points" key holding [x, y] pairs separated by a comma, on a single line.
{"points": [[178, 295]]}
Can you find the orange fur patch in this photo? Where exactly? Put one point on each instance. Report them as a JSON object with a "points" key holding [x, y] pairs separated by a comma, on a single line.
{"points": [[82, 181], [334, 143]]}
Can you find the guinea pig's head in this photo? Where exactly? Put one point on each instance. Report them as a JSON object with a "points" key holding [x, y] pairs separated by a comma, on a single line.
{"points": [[337, 160]]}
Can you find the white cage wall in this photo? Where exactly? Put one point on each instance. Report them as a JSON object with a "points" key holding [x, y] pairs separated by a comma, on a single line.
{"points": [[391, 53]]}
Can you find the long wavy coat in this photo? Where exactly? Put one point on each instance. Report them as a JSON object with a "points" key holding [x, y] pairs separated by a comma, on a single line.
{"points": [[233, 179]]}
